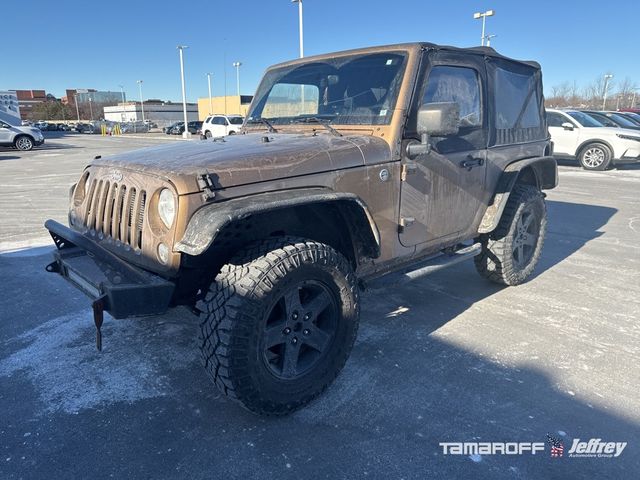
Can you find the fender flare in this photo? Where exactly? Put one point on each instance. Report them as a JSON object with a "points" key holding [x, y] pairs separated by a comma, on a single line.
{"points": [[207, 222], [545, 170]]}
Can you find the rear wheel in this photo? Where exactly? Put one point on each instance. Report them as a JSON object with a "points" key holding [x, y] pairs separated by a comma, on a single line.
{"points": [[278, 323], [595, 156], [510, 253], [208, 134], [23, 143]]}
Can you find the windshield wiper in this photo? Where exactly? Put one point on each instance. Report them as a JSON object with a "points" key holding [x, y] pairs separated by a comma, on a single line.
{"points": [[322, 122], [264, 121]]}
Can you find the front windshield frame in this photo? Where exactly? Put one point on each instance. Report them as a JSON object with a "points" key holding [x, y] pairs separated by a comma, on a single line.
{"points": [[335, 79], [585, 120]]}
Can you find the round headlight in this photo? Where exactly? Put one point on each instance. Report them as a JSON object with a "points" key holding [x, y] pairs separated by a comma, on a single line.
{"points": [[167, 207]]}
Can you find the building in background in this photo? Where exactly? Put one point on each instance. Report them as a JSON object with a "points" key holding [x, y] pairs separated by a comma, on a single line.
{"points": [[89, 94], [162, 113], [27, 99], [234, 105]]}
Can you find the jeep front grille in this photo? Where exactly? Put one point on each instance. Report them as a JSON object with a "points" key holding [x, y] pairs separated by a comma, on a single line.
{"points": [[116, 211]]}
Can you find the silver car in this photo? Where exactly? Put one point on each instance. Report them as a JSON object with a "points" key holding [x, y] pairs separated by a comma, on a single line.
{"points": [[21, 138]]}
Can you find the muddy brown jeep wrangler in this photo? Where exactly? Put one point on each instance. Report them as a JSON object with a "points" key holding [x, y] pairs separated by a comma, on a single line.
{"points": [[355, 168]]}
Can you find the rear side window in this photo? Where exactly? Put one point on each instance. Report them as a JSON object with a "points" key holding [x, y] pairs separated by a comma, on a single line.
{"points": [[516, 100], [459, 85]]}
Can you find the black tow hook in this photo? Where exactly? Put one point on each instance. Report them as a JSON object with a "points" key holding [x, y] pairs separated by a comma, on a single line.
{"points": [[98, 306]]}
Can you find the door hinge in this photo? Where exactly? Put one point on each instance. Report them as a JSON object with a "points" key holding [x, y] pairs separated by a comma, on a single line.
{"points": [[407, 169]]}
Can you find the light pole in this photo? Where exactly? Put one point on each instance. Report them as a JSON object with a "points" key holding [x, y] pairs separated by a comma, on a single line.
{"points": [[123, 116], [237, 65], [139, 82], [186, 133], [90, 108], [299, 2], [607, 78], [633, 98], [75, 96], [483, 16], [489, 37], [210, 99]]}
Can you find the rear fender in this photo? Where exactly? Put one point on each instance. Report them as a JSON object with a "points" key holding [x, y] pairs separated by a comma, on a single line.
{"points": [[540, 171]]}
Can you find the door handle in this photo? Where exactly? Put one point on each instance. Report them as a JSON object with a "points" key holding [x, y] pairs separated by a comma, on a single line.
{"points": [[471, 162]]}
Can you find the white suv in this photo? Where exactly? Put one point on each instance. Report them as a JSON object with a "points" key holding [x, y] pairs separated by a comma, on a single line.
{"points": [[221, 125], [22, 138], [576, 134]]}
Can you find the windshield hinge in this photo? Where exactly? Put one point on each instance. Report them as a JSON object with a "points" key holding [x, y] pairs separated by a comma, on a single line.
{"points": [[206, 185]]}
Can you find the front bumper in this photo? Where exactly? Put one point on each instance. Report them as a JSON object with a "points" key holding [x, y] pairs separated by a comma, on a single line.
{"points": [[114, 285], [37, 142]]}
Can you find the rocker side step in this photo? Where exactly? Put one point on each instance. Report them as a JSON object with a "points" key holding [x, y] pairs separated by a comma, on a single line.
{"points": [[425, 267]]}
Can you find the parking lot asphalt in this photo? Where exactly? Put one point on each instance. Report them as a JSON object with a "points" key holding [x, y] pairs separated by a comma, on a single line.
{"points": [[447, 358]]}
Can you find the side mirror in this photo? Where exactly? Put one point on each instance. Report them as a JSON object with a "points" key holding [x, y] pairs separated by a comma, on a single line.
{"points": [[438, 119], [568, 126], [434, 119]]}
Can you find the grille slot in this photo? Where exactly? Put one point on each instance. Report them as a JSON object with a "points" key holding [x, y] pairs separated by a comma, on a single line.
{"points": [[117, 211]]}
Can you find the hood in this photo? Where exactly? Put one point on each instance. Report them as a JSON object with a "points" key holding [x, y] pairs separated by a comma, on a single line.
{"points": [[250, 158]]}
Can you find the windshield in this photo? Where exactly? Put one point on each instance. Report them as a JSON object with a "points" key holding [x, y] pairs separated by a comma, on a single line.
{"points": [[235, 120], [354, 90], [585, 120]]}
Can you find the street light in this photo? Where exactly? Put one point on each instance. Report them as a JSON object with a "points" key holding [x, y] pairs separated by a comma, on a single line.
{"points": [[299, 2], [483, 16], [607, 77], [237, 65], [90, 108], [186, 133], [489, 37], [123, 115], [139, 82], [210, 100]]}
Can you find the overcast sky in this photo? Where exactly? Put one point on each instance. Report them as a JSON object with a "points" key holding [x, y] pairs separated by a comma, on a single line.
{"points": [[54, 45]]}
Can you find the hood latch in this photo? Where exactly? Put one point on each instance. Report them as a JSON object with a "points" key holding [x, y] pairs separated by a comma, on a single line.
{"points": [[207, 186]]}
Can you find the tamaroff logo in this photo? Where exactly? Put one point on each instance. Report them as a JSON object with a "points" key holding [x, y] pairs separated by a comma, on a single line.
{"points": [[491, 448]]}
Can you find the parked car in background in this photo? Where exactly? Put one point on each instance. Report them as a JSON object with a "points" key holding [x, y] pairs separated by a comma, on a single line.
{"points": [[170, 127], [221, 125], [634, 117], [19, 137], [193, 127], [612, 119], [84, 128], [577, 135]]}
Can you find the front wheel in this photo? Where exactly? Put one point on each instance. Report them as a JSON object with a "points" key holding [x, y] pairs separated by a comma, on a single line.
{"points": [[24, 143], [595, 156], [510, 253], [278, 323]]}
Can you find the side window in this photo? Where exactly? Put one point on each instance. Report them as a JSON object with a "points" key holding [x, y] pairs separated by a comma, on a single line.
{"points": [[555, 119], [456, 84], [517, 103], [206, 120], [218, 121]]}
